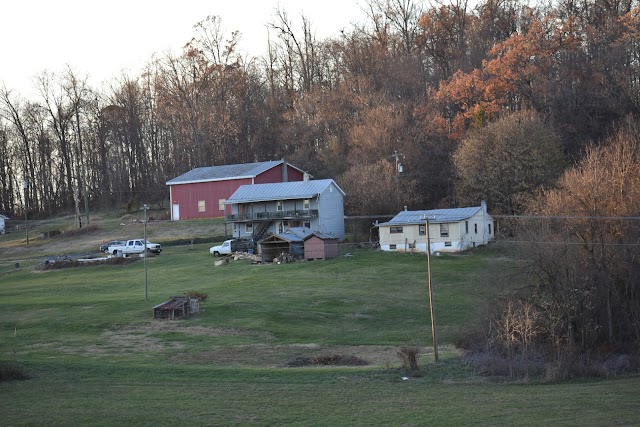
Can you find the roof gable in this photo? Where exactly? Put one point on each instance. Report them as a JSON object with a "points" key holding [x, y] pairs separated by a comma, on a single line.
{"points": [[301, 232], [226, 172], [281, 191], [434, 216]]}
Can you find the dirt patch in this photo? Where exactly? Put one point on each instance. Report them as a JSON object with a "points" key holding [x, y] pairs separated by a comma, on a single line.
{"points": [[280, 356], [142, 338]]}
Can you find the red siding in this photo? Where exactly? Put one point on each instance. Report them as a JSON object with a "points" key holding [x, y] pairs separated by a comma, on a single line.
{"points": [[188, 195], [316, 248], [275, 175]]}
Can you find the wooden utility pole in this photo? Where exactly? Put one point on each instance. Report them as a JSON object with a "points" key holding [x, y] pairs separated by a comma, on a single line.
{"points": [[146, 281], [433, 315]]}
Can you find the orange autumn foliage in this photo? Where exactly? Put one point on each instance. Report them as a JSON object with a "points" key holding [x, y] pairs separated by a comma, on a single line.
{"points": [[516, 73]]}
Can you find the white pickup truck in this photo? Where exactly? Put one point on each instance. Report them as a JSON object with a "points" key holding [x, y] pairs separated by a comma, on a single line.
{"points": [[135, 246], [232, 245]]}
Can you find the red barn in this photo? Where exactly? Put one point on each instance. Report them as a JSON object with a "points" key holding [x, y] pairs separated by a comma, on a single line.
{"points": [[201, 192]]}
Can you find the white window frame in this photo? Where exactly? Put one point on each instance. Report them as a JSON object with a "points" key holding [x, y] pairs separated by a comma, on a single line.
{"points": [[202, 205]]}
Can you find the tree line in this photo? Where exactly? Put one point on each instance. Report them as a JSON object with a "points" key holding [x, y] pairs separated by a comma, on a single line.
{"points": [[533, 108], [413, 84]]}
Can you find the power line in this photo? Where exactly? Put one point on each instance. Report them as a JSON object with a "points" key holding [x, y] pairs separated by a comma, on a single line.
{"points": [[567, 217], [567, 243]]}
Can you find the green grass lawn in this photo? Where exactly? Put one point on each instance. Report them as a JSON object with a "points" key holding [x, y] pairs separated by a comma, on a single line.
{"points": [[96, 356]]}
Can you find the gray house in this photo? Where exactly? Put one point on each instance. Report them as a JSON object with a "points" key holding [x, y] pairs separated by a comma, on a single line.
{"points": [[272, 208]]}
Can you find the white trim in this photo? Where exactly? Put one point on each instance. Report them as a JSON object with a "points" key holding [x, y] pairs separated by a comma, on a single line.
{"points": [[169, 183]]}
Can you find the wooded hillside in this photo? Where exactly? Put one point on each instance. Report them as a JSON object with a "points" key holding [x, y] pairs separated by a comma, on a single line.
{"points": [[407, 87]]}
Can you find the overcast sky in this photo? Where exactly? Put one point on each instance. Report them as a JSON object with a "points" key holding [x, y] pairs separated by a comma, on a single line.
{"points": [[103, 38]]}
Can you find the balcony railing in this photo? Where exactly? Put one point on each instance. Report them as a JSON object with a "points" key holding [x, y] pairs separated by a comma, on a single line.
{"points": [[270, 216]]}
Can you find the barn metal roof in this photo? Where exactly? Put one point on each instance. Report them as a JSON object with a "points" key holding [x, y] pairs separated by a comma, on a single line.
{"points": [[434, 216], [225, 172], [281, 191]]}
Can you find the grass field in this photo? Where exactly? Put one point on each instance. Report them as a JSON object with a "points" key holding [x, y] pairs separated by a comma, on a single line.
{"points": [[95, 355]]}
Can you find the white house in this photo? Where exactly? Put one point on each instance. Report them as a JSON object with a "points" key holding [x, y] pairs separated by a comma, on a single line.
{"points": [[450, 230], [2, 224]]}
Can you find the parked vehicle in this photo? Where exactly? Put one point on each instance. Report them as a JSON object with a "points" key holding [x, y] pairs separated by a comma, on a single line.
{"points": [[135, 246], [232, 245], [103, 248]]}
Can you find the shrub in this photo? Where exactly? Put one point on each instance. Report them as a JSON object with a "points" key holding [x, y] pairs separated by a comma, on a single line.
{"points": [[11, 371], [325, 360], [409, 356], [71, 232], [60, 264], [202, 296]]}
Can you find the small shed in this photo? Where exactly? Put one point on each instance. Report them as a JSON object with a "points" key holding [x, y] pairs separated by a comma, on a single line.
{"points": [[2, 223], [291, 241], [176, 307], [321, 246], [276, 244]]}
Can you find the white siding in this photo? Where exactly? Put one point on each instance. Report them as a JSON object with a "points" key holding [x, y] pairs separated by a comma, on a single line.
{"points": [[410, 240]]}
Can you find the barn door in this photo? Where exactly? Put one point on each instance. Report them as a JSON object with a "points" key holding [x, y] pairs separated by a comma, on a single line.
{"points": [[175, 215]]}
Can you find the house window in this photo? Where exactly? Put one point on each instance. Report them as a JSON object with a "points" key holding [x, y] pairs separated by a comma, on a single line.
{"points": [[489, 228], [475, 228], [422, 230], [281, 227], [201, 206], [248, 228], [466, 227], [444, 230], [447, 243], [307, 224], [279, 206], [395, 230], [305, 204], [392, 246], [221, 204]]}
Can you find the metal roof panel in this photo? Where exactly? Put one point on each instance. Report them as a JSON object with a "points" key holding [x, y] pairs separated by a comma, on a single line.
{"points": [[222, 172], [434, 215], [281, 191]]}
